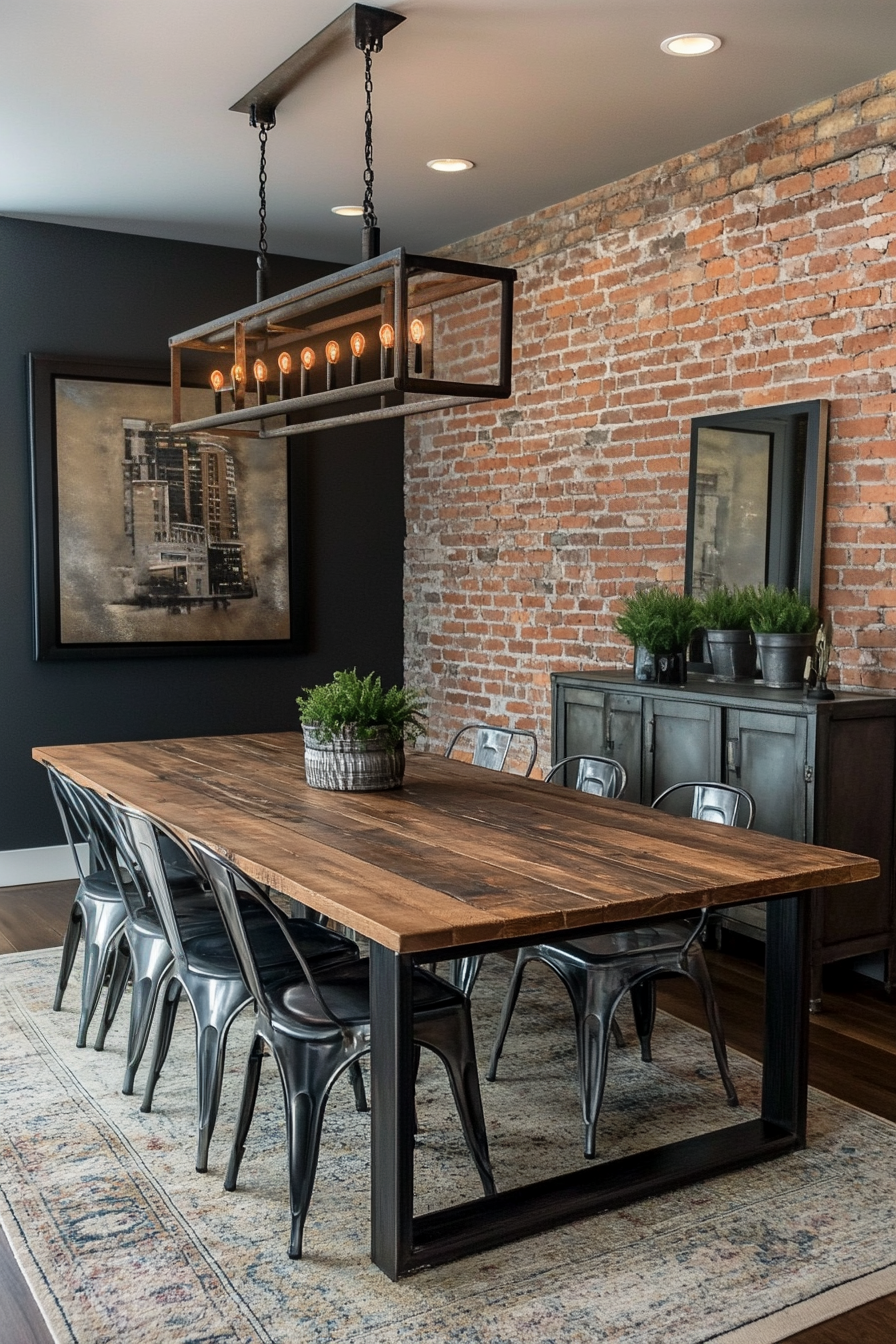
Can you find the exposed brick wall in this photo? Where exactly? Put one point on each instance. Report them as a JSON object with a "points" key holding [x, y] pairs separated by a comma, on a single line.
{"points": [[755, 271]]}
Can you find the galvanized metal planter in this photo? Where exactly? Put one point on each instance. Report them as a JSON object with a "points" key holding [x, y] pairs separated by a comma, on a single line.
{"points": [[783, 658], [351, 764], [733, 654]]}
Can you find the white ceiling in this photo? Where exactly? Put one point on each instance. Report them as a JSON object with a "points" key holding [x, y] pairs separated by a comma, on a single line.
{"points": [[114, 113]]}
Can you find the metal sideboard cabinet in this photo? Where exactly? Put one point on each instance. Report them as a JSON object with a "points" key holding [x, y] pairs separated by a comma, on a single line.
{"points": [[820, 771]]}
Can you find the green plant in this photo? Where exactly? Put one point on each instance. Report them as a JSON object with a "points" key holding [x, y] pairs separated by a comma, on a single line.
{"points": [[360, 703], [659, 618], [782, 611], [727, 609]]}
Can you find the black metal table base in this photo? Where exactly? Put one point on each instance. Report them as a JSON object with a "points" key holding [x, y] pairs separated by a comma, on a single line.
{"points": [[402, 1244]]}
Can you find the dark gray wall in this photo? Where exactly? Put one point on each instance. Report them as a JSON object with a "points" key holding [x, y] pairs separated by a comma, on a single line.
{"points": [[84, 292]]}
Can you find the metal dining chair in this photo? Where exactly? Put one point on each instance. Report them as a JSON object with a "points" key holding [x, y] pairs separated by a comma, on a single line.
{"points": [[316, 1024], [491, 745], [205, 969], [143, 955], [490, 749], [600, 775], [599, 970], [98, 910]]}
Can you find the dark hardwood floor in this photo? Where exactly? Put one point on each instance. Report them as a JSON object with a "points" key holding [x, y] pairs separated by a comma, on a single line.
{"points": [[852, 1056]]}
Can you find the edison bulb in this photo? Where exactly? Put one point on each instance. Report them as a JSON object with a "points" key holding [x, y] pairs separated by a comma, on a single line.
{"points": [[332, 352], [217, 380], [308, 357], [358, 343], [387, 336], [260, 369], [284, 362], [417, 331], [236, 374]]}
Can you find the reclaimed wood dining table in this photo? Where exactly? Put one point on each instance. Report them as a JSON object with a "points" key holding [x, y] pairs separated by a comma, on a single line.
{"points": [[462, 860]]}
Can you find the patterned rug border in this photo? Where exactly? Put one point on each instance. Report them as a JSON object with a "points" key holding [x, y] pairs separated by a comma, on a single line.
{"points": [[772, 1329]]}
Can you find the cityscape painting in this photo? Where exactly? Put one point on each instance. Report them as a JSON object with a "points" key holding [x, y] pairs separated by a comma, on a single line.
{"points": [[148, 541]]}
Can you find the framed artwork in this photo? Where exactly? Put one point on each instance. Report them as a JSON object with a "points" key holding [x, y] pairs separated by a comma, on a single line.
{"points": [[148, 543]]}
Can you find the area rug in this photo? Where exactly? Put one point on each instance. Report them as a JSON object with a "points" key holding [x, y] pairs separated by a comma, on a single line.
{"points": [[123, 1241]]}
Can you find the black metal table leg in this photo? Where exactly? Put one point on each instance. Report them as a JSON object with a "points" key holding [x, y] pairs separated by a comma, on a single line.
{"points": [[401, 1243], [785, 1070], [391, 1111]]}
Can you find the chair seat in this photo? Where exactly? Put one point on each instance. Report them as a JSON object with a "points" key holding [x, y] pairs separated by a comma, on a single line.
{"points": [[346, 992], [210, 952], [601, 947]]}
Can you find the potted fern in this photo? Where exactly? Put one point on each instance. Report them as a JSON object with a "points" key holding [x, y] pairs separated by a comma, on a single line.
{"points": [[355, 732], [726, 615], [784, 627], [659, 622]]}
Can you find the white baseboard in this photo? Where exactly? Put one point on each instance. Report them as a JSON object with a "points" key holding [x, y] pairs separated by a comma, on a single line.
{"points": [[51, 863]]}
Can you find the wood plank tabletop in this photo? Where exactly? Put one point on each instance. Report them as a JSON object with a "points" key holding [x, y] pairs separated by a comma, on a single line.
{"points": [[457, 856]]}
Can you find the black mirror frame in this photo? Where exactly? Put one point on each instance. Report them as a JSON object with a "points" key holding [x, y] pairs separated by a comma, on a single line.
{"points": [[812, 516]]}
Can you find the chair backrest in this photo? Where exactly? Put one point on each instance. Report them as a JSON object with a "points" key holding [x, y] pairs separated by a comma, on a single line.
{"points": [[84, 813], [491, 745], [596, 774], [73, 821], [228, 883], [721, 803], [139, 840]]}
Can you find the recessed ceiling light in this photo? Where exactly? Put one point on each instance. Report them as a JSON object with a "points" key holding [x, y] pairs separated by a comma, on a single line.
{"points": [[353, 210], [691, 44], [450, 165]]}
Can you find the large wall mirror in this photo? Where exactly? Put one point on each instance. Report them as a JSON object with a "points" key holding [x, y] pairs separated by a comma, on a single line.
{"points": [[756, 498]]}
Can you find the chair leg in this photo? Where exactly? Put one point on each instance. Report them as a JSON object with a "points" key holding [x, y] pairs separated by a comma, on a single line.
{"points": [[644, 1009], [170, 1000], [618, 1038], [103, 924], [698, 971], [307, 1075], [118, 979], [215, 1004], [510, 998], [450, 1036], [247, 1110], [357, 1081], [69, 949], [151, 959], [594, 1036]]}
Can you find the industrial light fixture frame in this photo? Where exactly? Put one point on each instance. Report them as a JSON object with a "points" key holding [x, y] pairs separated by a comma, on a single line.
{"points": [[388, 290], [394, 293]]}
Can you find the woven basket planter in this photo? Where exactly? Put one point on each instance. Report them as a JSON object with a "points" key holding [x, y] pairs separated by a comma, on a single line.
{"points": [[352, 764]]}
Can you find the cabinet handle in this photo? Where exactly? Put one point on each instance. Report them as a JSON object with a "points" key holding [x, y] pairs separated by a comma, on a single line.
{"points": [[734, 755], [650, 727], [610, 743]]}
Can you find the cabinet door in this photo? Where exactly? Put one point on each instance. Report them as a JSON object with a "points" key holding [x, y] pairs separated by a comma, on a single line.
{"points": [[682, 741], [766, 755], [623, 739], [579, 725], [600, 723]]}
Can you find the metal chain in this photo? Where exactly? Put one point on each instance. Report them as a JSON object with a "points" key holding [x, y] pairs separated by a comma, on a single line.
{"points": [[262, 194], [370, 220]]}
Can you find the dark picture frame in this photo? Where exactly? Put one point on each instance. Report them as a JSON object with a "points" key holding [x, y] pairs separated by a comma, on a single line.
{"points": [[175, 549]]}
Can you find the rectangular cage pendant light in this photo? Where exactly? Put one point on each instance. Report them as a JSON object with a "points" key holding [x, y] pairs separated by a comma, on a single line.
{"points": [[397, 335]]}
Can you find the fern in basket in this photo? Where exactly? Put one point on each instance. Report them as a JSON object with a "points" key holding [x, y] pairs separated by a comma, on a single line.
{"points": [[361, 705]]}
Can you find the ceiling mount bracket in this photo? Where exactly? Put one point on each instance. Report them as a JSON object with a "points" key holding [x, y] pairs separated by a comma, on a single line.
{"points": [[360, 24], [371, 26]]}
